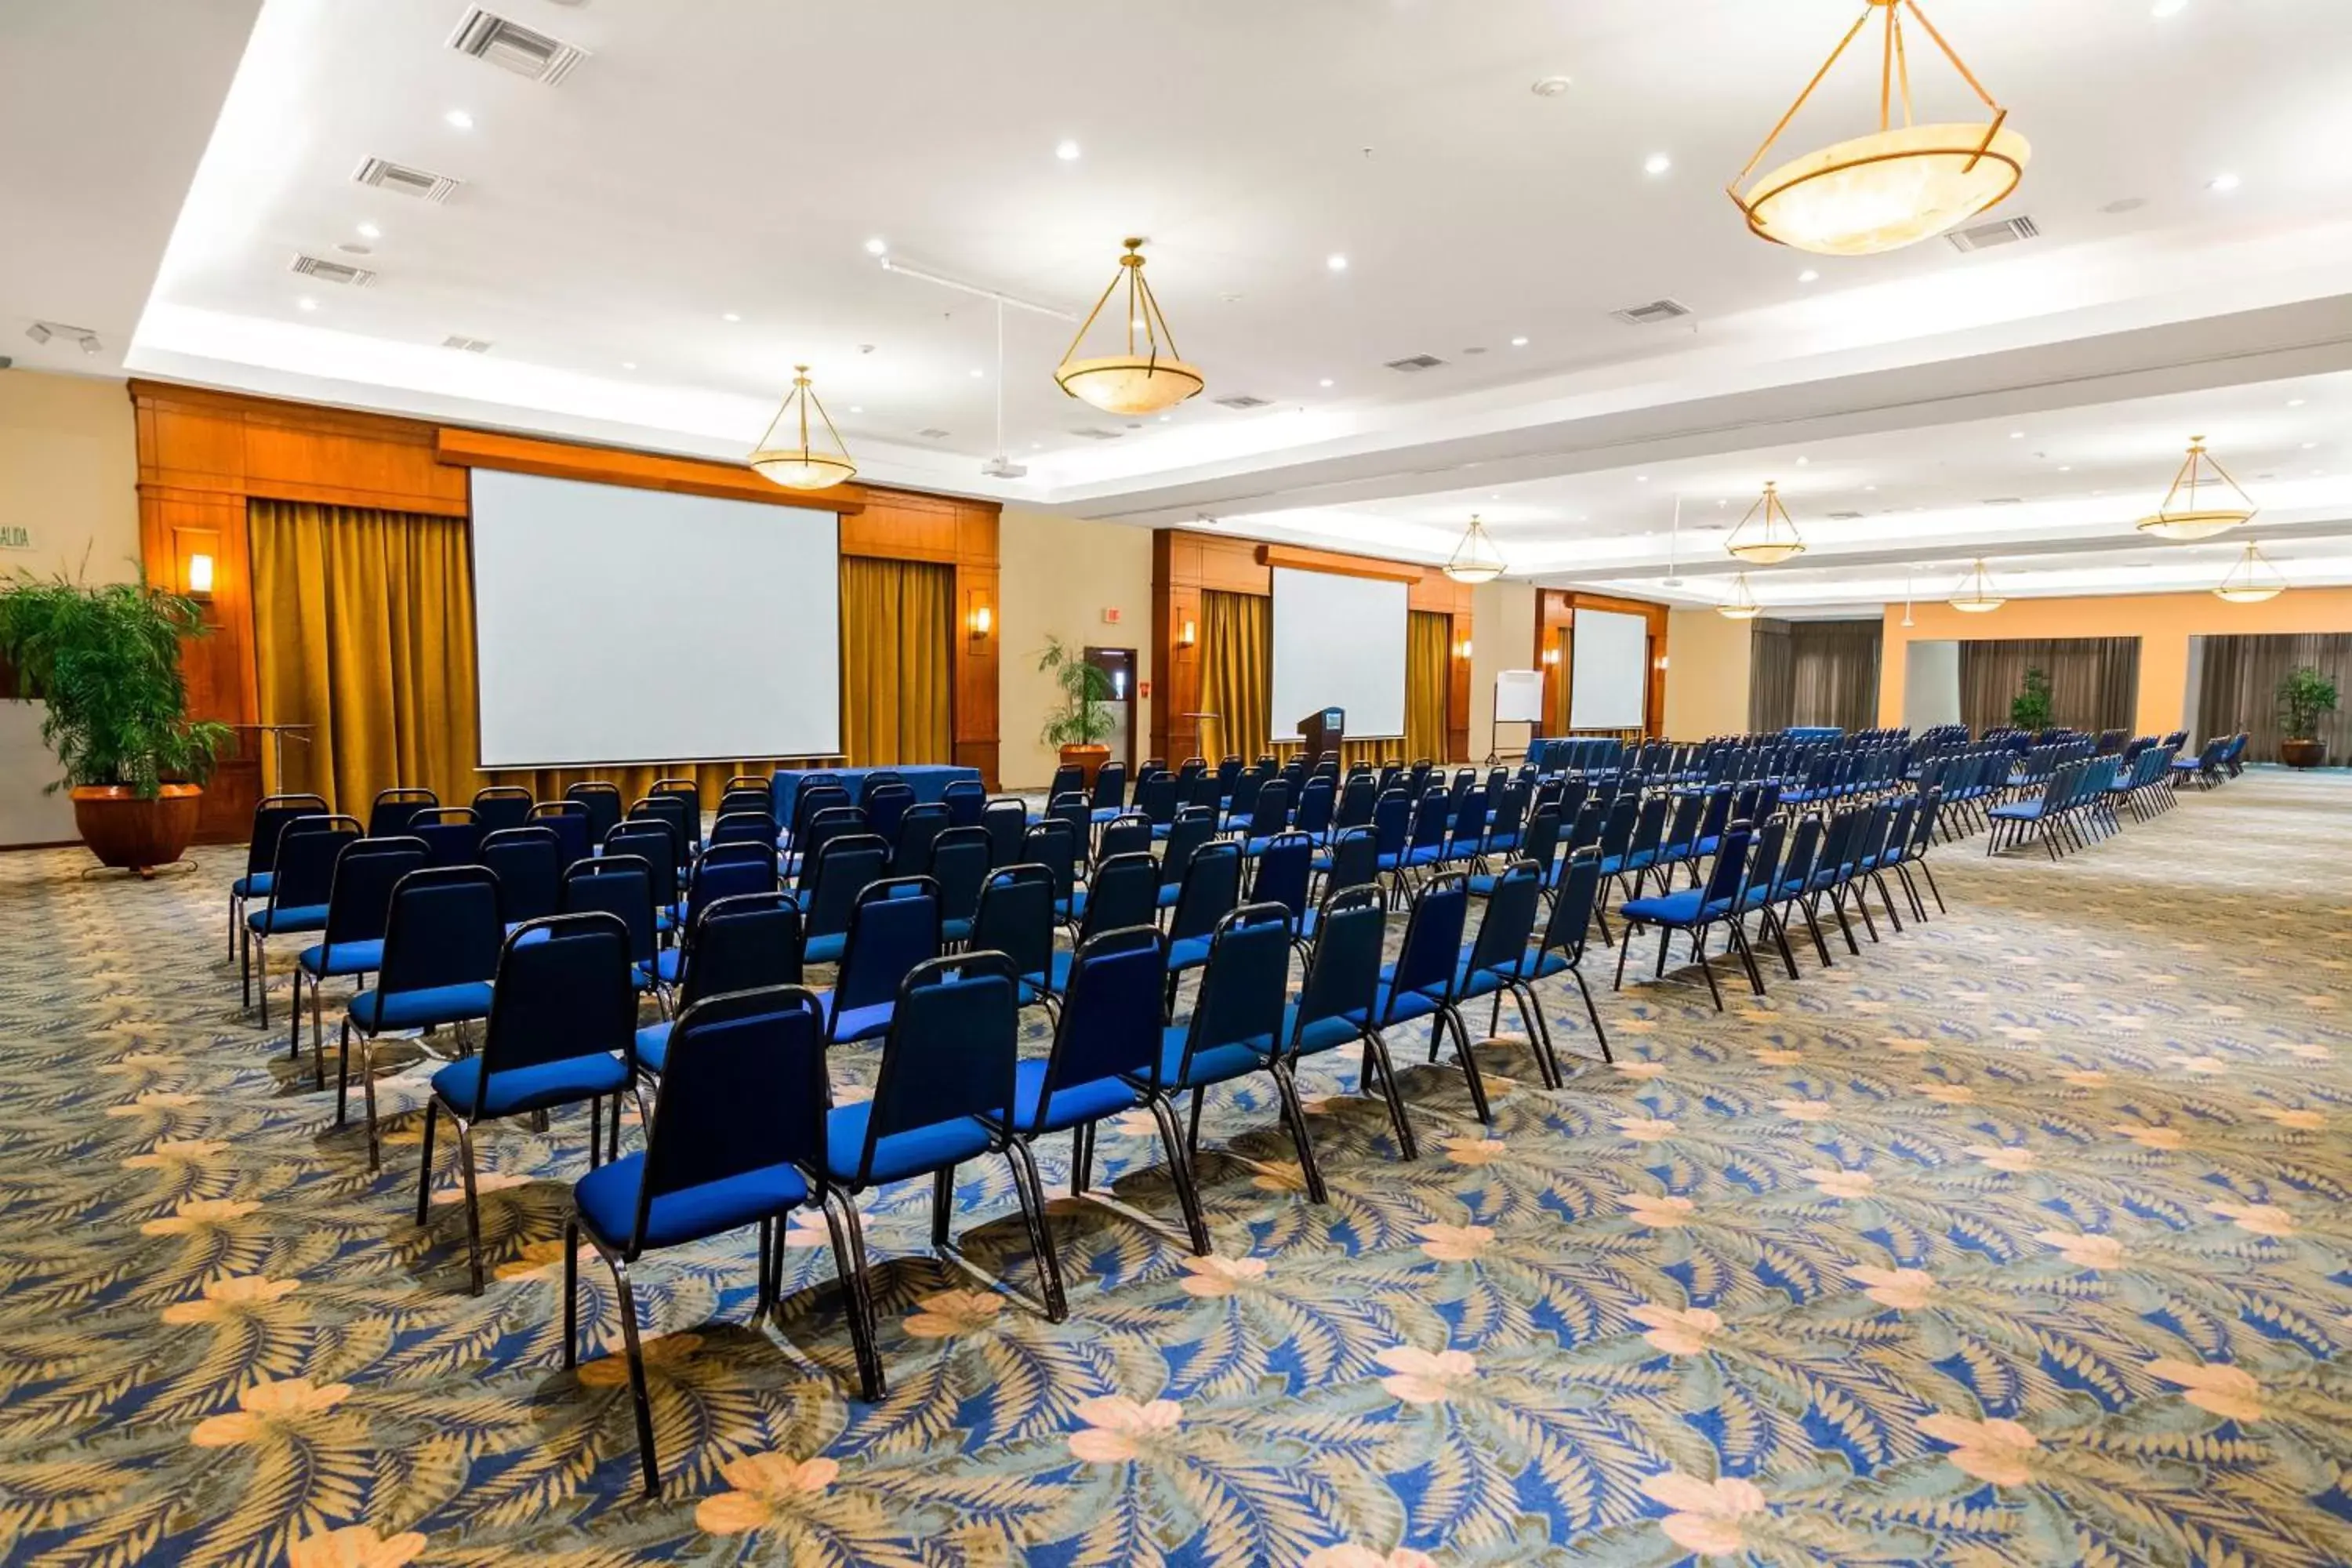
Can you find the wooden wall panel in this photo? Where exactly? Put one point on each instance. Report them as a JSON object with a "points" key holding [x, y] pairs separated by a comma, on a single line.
{"points": [[203, 454], [1556, 634]]}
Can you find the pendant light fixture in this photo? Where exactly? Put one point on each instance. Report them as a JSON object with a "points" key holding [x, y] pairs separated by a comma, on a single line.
{"points": [[1475, 559], [1975, 593], [2252, 580], [1907, 621], [797, 464], [2190, 510], [1673, 579], [1743, 605], [1895, 186], [1142, 380], [1766, 536]]}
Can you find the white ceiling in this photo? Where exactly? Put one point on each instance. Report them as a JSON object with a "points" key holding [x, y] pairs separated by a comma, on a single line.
{"points": [[734, 156]]}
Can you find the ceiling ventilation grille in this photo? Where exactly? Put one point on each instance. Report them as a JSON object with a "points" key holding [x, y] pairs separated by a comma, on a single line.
{"points": [[2003, 500], [1243, 400], [1654, 311], [470, 345], [1097, 433], [511, 46], [1985, 235], [385, 174], [327, 271], [933, 433], [1415, 363], [1846, 517]]}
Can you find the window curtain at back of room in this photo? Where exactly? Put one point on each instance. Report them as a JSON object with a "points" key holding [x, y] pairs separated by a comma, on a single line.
{"points": [[1834, 673], [1426, 638], [2094, 681], [1238, 672], [1771, 676], [2239, 689], [896, 675]]}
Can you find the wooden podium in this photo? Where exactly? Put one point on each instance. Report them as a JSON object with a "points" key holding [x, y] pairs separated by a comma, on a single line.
{"points": [[1322, 732]]}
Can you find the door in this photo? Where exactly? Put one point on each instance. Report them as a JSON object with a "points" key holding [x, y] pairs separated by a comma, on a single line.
{"points": [[1117, 665]]}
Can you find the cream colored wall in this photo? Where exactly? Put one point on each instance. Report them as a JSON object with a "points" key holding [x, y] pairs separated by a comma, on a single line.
{"points": [[1056, 575], [1706, 677], [68, 475], [1502, 637]]}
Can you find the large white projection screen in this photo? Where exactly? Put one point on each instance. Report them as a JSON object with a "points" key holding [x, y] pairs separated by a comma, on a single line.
{"points": [[614, 625], [1609, 677], [1339, 642]]}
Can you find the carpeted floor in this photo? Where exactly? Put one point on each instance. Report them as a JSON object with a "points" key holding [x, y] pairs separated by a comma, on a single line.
{"points": [[2023, 1238]]}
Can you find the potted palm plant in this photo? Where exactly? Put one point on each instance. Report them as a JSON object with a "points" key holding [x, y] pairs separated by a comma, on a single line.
{"points": [[1080, 721], [2305, 697], [2030, 709], [106, 659]]}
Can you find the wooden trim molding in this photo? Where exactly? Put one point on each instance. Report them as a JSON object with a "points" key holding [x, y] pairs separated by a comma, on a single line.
{"points": [[1338, 565], [643, 470], [1556, 633]]}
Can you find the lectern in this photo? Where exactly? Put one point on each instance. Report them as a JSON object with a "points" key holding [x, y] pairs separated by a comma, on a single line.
{"points": [[1322, 731]]}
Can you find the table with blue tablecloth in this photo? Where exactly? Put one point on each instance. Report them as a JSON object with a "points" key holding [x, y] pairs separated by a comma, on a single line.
{"points": [[930, 781]]}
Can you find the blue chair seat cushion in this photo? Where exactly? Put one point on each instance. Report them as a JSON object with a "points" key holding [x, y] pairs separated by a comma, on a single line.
{"points": [[564, 1082], [653, 1045], [375, 1011], [1072, 1104], [1168, 895], [607, 1200], [954, 928], [1186, 952], [1218, 1064], [669, 964], [826, 949], [1390, 1006], [273, 919], [867, 1023], [1324, 1034], [2019, 810], [1469, 983], [1681, 909], [898, 1155], [343, 958], [255, 886]]}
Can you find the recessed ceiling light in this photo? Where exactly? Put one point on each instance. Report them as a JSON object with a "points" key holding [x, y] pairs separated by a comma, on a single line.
{"points": [[2222, 183], [1550, 86], [2297, 402], [2065, 468], [1066, 151], [730, 315], [306, 304], [628, 364], [1336, 262], [460, 120], [2017, 434], [1166, 418], [1037, 445], [1640, 479], [2168, 7], [1326, 381], [1656, 163], [1518, 342], [370, 231], [877, 246], [1803, 461], [977, 372], [2308, 446], [856, 408], [1809, 276], [1872, 489]]}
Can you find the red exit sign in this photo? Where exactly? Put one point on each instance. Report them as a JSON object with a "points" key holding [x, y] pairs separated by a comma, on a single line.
{"points": [[1110, 617]]}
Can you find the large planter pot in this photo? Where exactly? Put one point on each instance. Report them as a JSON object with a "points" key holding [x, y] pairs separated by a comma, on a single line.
{"points": [[2302, 753], [136, 834], [1089, 760]]}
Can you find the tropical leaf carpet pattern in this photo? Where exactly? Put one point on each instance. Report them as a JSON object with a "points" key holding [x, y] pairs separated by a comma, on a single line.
{"points": [[2023, 1238]]}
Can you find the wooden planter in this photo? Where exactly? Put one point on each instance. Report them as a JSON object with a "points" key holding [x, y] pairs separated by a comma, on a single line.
{"points": [[2302, 753], [136, 834], [1089, 760]]}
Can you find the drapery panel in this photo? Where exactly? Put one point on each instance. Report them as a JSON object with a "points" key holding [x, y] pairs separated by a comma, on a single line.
{"points": [[1833, 674], [2094, 681], [896, 625], [2239, 689], [1771, 676], [1427, 648], [1238, 672]]}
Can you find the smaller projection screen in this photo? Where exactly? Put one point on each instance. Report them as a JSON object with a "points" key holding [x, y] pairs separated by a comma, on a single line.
{"points": [[1339, 642], [1609, 680]]}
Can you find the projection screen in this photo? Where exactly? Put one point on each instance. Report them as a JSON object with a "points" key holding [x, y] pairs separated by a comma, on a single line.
{"points": [[1609, 679], [614, 625], [1339, 642]]}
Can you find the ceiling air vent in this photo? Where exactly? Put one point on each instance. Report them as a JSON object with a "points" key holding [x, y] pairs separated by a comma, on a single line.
{"points": [[1846, 517], [385, 174], [2002, 500], [1416, 362], [1657, 310], [327, 271], [1243, 400], [933, 433], [1985, 235], [1096, 432], [470, 345], [509, 45]]}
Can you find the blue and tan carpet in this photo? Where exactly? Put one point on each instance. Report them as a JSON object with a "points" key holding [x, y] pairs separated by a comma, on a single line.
{"points": [[2024, 1239]]}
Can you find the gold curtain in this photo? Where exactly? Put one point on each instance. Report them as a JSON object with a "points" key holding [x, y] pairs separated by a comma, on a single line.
{"points": [[1428, 649], [364, 627], [1238, 672], [897, 620]]}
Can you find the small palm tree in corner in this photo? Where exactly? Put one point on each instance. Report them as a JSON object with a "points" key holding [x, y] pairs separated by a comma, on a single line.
{"points": [[1081, 719], [2305, 697]]}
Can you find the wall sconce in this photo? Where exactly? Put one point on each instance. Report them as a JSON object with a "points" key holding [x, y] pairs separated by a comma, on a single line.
{"points": [[982, 618], [1190, 635], [1552, 656], [1662, 661], [200, 576], [1463, 651]]}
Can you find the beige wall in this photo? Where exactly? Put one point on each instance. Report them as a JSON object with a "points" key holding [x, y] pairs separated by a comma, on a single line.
{"points": [[2163, 622], [1707, 680], [68, 475], [1502, 637], [1057, 576]]}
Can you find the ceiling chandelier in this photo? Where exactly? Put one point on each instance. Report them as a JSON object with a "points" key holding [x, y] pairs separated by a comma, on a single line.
{"points": [[2251, 580], [1134, 382], [802, 467], [1975, 593], [1475, 559], [1743, 605], [1774, 536], [2185, 514], [1896, 186]]}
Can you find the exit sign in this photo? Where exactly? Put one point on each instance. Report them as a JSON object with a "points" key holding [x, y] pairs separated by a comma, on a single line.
{"points": [[1110, 617]]}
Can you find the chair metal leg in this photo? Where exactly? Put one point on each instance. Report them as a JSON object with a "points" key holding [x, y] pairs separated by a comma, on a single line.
{"points": [[319, 1031], [1747, 955], [1814, 926], [596, 1127], [1531, 1015], [424, 1167], [1082, 1158], [1591, 1012], [1699, 956], [942, 1203], [1376, 1057], [1623, 949], [1180, 1171], [367, 1092], [1295, 1114], [571, 1293], [294, 1028], [841, 1222], [1767, 921], [638, 1394], [1470, 1073], [1193, 1136], [342, 1072], [473, 1202], [1032, 1192]]}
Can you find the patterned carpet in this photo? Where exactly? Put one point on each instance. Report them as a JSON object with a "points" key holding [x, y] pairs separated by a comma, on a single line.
{"points": [[2022, 1239]]}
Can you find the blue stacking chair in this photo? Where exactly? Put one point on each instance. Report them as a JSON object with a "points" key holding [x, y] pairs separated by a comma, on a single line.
{"points": [[1465, 833], [920, 823], [744, 827], [1015, 918], [530, 870], [623, 886], [270, 822], [883, 804], [958, 864], [1106, 799], [351, 942], [1357, 796], [1695, 910], [599, 802], [822, 828], [1269, 815], [964, 799], [1056, 845], [945, 1094], [502, 806], [1560, 949], [1128, 833], [1538, 842], [1236, 1028], [1420, 984], [743, 943], [1195, 826], [1068, 779], [655, 840], [1313, 816], [1391, 825], [1334, 1005], [452, 834], [1284, 875], [441, 942], [569, 821], [737, 1139], [687, 795], [301, 876], [1425, 845], [667, 811], [563, 1029], [1006, 820], [1156, 797], [388, 815], [722, 871], [1124, 891], [831, 881], [1213, 886], [1497, 962], [1353, 861], [893, 929]]}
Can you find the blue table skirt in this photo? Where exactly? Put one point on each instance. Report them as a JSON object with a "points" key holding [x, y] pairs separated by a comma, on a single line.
{"points": [[929, 781]]}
